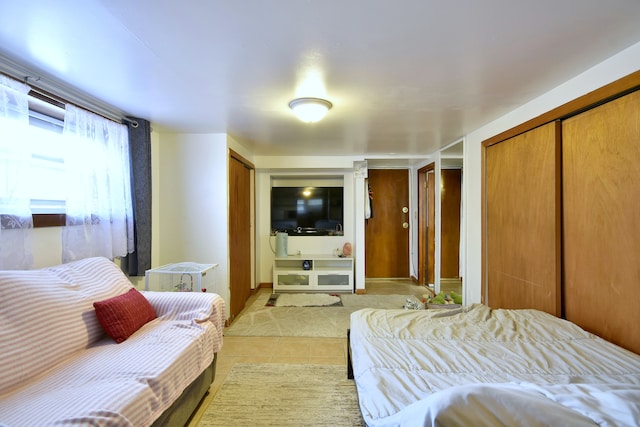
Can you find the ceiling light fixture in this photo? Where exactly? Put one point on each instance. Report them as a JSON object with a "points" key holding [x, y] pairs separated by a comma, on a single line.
{"points": [[310, 110]]}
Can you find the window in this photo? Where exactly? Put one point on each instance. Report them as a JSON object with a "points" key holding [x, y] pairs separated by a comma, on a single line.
{"points": [[63, 162], [46, 186]]}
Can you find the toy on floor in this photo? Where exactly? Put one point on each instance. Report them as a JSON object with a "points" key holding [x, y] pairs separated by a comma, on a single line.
{"points": [[442, 298]]}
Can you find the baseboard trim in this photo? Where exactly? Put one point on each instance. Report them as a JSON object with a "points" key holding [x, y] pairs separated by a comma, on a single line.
{"points": [[260, 286]]}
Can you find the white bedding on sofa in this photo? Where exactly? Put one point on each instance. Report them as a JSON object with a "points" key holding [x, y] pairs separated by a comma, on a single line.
{"points": [[423, 367], [127, 384], [52, 305], [101, 382]]}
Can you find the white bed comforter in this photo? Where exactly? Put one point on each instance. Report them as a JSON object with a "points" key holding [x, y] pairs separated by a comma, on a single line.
{"points": [[477, 366]]}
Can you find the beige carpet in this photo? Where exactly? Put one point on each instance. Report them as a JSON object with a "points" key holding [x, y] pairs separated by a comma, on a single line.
{"points": [[284, 395], [331, 322]]}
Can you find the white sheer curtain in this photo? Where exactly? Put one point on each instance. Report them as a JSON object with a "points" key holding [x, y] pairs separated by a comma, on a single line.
{"points": [[16, 223], [98, 204]]}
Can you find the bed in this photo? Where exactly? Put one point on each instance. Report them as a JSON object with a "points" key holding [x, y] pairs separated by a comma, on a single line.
{"points": [[481, 366]]}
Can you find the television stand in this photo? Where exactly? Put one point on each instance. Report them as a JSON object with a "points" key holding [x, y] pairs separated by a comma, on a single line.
{"points": [[325, 273]]}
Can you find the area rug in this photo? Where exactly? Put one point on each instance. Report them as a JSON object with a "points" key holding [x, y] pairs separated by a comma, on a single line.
{"points": [[259, 320], [284, 395], [304, 300]]}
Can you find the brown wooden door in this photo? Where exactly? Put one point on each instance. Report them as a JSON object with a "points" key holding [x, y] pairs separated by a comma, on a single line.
{"points": [[239, 234], [386, 240], [426, 225], [522, 221], [601, 211], [450, 223], [431, 227]]}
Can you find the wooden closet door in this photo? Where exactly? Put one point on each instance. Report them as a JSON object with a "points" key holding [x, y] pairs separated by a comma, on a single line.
{"points": [[522, 221], [240, 234], [601, 180]]}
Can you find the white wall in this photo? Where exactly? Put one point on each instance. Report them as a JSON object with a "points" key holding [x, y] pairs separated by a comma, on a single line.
{"points": [[190, 203], [620, 65]]}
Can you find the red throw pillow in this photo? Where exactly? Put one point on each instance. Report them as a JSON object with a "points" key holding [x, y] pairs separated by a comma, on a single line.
{"points": [[121, 316]]}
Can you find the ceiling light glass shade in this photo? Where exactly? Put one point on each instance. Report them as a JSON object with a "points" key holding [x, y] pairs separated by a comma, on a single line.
{"points": [[310, 110]]}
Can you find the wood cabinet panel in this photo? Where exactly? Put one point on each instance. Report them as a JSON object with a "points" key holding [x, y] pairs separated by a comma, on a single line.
{"points": [[601, 199], [522, 221]]}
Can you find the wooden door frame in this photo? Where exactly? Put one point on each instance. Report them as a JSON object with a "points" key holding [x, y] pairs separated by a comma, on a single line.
{"points": [[423, 256], [233, 155]]}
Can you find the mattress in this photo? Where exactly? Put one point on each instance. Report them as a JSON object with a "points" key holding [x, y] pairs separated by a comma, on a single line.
{"points": [[479, 366]]}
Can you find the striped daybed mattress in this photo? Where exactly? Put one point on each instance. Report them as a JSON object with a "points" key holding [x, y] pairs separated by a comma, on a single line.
{"points": [[59, 368]]}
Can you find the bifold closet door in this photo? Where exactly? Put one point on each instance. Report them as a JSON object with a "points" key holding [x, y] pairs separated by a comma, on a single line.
{"points": [[240, 234], [601, 180], [522, 215]]}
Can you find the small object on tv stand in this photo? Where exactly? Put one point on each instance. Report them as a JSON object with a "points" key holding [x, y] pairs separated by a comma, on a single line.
{"points": [[346, 249]]}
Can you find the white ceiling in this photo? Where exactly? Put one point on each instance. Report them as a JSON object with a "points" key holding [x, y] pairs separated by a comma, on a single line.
{"points": [[405, 77]]}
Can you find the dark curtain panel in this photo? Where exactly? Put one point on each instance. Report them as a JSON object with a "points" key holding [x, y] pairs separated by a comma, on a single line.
{"points": [[136, 263]]}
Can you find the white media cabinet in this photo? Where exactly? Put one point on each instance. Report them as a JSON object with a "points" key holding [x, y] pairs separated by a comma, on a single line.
{"points": [[326, 273]]}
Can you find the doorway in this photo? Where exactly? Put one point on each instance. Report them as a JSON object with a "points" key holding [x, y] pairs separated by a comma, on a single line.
{"points": [[241, 208], [450, 221], [387, 230], [426, 225]]}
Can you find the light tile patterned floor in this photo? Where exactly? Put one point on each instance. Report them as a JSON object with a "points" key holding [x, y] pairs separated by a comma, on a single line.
{"points": [[294, 350]]}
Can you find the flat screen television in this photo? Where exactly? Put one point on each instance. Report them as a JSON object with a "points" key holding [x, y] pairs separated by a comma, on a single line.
{"points": [[307, 211]]}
